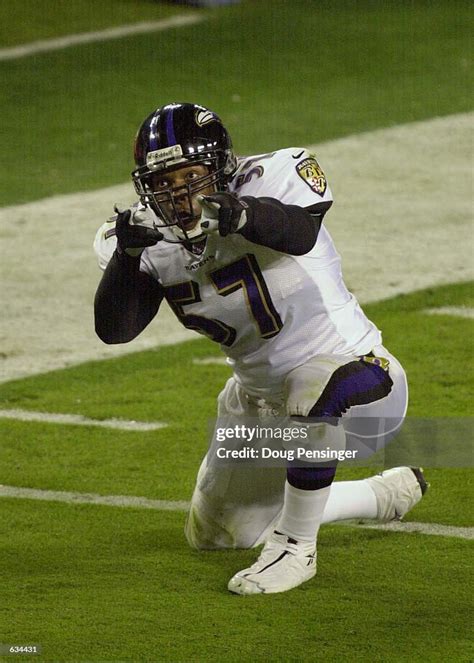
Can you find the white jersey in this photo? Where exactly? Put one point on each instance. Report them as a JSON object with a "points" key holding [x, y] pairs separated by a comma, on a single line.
{"points": [[269, 311]]}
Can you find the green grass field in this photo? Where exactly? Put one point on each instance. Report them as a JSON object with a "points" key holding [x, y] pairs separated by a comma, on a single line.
{"points": [[101, 583], [307, 73]]}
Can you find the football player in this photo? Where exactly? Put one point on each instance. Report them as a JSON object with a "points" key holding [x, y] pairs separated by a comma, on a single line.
{"points": [[238, 248]]}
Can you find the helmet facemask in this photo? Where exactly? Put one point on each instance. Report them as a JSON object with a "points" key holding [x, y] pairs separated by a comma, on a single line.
{"points": [[176, 206]]}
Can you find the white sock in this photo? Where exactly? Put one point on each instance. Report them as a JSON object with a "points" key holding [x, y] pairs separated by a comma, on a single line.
{"points": [[302, 512], [350, 499]]}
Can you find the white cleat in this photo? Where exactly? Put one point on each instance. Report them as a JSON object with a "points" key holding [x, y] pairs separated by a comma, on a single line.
{"points": [[283, 564], [397, 491]]}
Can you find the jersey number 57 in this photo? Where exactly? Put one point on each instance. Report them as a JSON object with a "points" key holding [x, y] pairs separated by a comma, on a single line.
{"points": [[243, 274]]}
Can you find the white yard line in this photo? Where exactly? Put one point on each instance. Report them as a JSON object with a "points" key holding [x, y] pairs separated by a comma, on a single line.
{"points": [[455, 311], [47, 45], [433, 529], [209, 361], [79, 420], [92, 498]]}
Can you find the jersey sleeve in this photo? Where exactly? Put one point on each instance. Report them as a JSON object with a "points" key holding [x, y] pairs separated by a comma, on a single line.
{"points": [[105, 243], [293, 176]]}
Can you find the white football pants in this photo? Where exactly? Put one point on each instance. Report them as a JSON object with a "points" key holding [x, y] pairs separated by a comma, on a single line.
{"points": [[236, 505]]}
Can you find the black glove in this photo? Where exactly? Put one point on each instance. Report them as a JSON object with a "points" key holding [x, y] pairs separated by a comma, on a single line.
{"points": [[222, 212], [133, 238]]}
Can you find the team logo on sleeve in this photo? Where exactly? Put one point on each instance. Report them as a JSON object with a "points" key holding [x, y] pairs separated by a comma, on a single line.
{"points": [[311, 172]]}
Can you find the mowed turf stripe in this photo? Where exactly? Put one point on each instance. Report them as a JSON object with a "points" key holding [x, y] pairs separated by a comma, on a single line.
{"points": [[79, 420], [432, 529], [59, 43]]}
